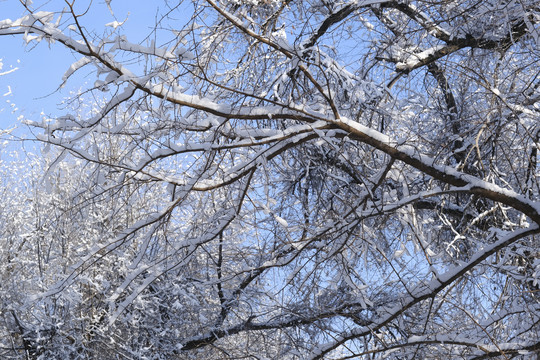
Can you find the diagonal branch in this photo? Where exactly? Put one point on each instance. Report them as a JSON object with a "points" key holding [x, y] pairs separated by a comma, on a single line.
{"points": [[421, 294]]}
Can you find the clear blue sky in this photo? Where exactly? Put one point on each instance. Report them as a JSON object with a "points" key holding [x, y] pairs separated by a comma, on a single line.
{"points": [[33, 86]]}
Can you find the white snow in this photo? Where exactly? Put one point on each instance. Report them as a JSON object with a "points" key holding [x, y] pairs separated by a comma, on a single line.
{"points": [[415, 59]]}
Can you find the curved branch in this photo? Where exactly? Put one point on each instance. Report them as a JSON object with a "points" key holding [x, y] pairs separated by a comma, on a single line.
{"points": [[433, 288]]}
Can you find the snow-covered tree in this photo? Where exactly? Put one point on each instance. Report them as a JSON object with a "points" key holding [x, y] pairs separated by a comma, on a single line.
{"points": [[284, 179]]}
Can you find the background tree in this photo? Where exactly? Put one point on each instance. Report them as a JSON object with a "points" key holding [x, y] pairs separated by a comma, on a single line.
{"points": [[281, 179]]}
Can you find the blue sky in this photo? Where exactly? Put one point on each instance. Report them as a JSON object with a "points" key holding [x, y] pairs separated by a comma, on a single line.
{"points": [[33, 87]]}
